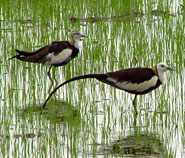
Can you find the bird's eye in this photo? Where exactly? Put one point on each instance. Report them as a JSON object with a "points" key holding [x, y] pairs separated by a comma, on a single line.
{"points": [[162, 65]]}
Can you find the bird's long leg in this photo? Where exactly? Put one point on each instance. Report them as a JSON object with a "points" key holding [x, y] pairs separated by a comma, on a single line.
{"points": [[56, 82], [49, 75], [53, 74], [134, 103]]}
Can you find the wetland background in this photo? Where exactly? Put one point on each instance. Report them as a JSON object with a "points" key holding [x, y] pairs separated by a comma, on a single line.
{"points": [[88, 118]]}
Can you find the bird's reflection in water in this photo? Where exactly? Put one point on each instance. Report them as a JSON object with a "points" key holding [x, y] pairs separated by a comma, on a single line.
{"points": [[134, 145]]}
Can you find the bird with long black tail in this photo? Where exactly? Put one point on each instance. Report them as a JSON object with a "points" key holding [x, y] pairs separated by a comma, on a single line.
{"points": [[57, 53], [136, 81]]}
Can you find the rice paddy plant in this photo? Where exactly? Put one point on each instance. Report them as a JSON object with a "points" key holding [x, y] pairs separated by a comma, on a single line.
{"points": [[84, 118]]}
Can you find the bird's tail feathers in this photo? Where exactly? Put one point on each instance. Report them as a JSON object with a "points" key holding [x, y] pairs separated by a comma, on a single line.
{"points": [[97, 76], [25, 53], [17, 57], [22, 54]]}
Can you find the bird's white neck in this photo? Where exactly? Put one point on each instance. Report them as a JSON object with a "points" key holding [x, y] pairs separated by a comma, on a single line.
{"points": [[161, 76], [76, 44]]}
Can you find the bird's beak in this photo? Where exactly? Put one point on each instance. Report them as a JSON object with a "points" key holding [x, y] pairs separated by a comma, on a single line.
{"points": [[171, 69], [83, 36]]}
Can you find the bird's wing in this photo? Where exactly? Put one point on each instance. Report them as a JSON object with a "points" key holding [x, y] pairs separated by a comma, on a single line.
{"points": [[133, 75], [40, 55], [135, 79], [58, 47]]}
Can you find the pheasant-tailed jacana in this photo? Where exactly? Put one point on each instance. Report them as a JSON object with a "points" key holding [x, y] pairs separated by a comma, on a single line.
{"points": [[57, 53], [137, 81]]}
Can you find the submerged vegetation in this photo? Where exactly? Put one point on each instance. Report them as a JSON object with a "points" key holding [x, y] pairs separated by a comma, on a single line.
{"points": [[93, 119]]}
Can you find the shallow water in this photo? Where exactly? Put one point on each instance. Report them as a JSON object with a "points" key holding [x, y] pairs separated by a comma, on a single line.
{"points": [[88, 118]]}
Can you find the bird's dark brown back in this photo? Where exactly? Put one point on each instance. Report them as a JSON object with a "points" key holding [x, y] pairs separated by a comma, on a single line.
{"points": [[39, 56], [134, 75]]}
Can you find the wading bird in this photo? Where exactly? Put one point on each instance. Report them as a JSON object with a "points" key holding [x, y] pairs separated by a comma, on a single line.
{"points": [[136, 81], [57, 53]]}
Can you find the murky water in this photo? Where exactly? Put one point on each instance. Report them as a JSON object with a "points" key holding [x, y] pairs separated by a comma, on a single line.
{"points": [[88, 118]]}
